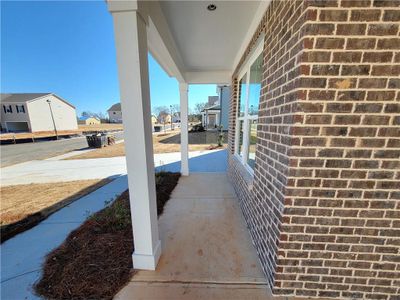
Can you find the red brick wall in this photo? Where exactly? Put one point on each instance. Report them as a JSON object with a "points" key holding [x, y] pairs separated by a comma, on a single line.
{"points": [[324, 206]]}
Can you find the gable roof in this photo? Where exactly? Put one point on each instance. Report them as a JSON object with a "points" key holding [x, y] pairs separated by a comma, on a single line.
{"points": [[214, 107], [17, 98], [115, 107], [84, 118], [28, 97]]}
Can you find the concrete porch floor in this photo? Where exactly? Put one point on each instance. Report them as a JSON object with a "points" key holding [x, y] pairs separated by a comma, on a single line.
{"points": [[207, 250]]}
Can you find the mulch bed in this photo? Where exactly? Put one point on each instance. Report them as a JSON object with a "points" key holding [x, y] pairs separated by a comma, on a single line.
{"points": [[95, 261]]}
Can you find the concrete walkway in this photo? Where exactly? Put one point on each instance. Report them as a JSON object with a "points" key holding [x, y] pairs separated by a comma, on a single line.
{"points": [[43, 171], [23, 255], [206, 249]]}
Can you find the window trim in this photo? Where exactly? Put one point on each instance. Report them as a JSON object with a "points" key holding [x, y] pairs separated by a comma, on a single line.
{"points": [[245, 70]]}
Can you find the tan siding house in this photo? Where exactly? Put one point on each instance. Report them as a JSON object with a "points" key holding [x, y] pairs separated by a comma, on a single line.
{"points": [[89, 121]]}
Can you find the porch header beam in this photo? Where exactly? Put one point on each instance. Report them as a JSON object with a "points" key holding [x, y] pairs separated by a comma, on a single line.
{"points": [[160, 42], [209, 77]]}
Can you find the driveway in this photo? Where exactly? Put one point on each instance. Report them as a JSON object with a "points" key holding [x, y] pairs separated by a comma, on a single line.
{"points": [[19, 153], [43, 171]]}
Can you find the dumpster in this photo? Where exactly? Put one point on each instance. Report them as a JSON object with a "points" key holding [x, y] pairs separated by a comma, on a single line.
{"points": [[96, 140]]}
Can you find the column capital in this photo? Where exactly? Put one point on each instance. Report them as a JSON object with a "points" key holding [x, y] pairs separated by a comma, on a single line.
{"points": [[183, 86], [121, 6]]}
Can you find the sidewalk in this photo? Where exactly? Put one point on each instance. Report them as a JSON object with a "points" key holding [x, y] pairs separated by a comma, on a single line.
{"points": [[43, 171]]}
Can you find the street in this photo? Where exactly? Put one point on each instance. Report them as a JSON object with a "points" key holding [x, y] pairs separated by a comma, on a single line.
{"points": [[18, 153]]}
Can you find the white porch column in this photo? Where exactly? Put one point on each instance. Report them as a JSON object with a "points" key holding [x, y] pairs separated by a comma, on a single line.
{"points": [[131, 47], [183, 90]]}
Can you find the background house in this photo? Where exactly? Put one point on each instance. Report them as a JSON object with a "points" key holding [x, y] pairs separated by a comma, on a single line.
{"points": [[217, 111], [36, 112], [176, 117], [115, 114], [89, 120], [210, 116]]}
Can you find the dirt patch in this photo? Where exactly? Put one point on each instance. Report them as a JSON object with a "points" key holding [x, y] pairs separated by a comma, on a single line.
{"points": [[24, 206], [95, 262], [162, 143], [101, 127]]}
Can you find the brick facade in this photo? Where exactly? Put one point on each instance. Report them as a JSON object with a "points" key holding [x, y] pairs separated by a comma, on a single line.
{"points": [[323, 208]]}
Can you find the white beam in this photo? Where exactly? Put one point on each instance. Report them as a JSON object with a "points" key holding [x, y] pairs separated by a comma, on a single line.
{"points": [[209, 77], [161, 42], [131, 47], [183, 89]]}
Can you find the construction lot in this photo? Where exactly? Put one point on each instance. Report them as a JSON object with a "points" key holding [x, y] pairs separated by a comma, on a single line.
{"points": [[14, 137], [163, 143]]}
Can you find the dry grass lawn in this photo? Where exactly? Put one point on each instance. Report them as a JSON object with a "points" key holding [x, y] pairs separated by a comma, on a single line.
{"points": [[47, 134], [20, 201], [162, 143], [100, 127]]}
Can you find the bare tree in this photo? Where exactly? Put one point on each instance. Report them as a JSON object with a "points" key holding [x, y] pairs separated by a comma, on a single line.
{"points": [[176, 108], [198, 107], [161, 112]]}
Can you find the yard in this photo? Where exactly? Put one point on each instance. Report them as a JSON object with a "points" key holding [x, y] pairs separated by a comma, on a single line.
{"points": [[162, 143], [13, 136], [23, 206], [101, 127]]}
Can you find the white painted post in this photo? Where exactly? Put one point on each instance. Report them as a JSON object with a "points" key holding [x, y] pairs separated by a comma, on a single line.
{"points": [[183, 89], [131, 46]]}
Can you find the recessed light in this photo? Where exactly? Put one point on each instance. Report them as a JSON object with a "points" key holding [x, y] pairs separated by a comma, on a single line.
{"points": [[211, 7]]}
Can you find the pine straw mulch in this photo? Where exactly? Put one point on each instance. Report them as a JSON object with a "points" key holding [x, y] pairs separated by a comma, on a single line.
{"points": [[95, 261]]}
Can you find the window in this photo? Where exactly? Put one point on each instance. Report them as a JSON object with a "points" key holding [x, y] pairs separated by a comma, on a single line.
{"points": [[247, 108], [20, 108], [7, 109]]}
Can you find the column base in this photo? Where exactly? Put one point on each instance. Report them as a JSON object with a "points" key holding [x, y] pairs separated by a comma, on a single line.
{"points": [[184, 172], [147, 262]]}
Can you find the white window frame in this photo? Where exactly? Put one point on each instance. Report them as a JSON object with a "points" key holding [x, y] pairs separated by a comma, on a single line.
{"points": [[246, 118]]}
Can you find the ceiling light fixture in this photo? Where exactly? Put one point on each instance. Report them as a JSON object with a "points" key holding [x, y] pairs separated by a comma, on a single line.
{"points": [[211, 7]]}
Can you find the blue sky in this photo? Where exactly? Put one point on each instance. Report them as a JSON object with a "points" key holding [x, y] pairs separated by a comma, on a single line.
{"points": [[68, 48]]}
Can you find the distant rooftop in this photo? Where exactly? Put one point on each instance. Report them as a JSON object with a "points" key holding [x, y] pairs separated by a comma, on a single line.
{"points": [[214, 107], [27, 97], [115, 107], [23, 97], [84, 118]]}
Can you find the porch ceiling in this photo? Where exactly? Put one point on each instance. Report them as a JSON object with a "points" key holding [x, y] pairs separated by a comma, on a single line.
{"points": [[192, 43], [205, 45], [208, 40]]}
